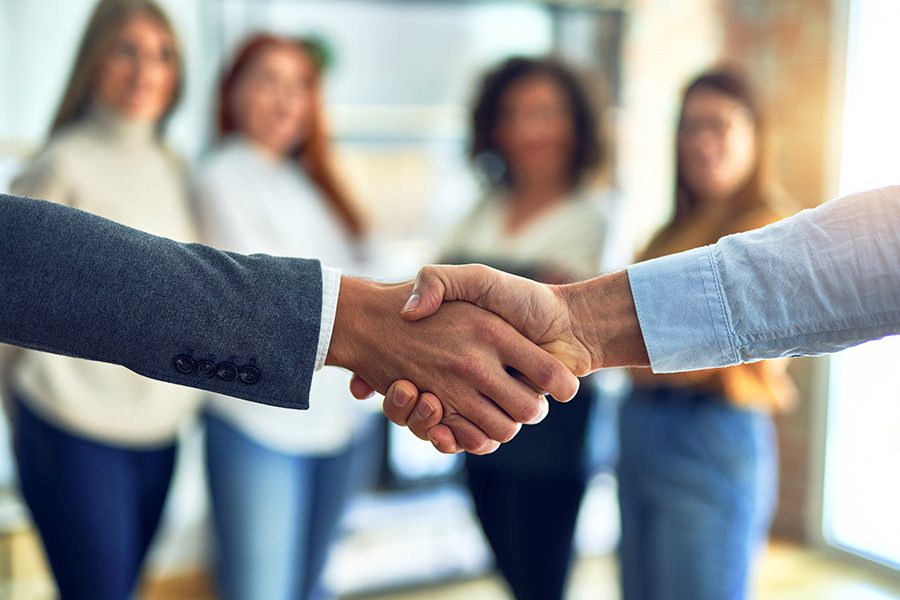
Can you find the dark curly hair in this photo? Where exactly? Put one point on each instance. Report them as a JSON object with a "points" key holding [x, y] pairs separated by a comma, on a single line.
{"points": [[589, 153]]}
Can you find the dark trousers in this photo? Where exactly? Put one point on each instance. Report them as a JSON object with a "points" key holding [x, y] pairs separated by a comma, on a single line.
{"points": [[530, 523], [96, 506]]}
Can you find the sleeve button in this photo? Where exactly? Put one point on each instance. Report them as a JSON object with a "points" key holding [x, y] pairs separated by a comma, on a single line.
{"points": [[227, 371], [206, 368], [249, 375], [184, 364]]}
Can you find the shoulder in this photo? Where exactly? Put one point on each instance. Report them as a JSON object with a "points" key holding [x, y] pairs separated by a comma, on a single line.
{"points": [[48, 172], [74, 142], [777, 205], [218, 157], [218, 166], [758, 217]]}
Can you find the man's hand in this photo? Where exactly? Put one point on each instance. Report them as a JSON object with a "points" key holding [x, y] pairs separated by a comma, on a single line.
{"points": [[460, 355], [540, 312], [588, 325]]}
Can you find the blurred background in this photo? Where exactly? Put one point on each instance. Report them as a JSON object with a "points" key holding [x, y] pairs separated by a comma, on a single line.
{"points": [[401, 81]]}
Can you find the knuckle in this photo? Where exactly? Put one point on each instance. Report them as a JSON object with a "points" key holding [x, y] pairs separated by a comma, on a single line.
{"points": [[486, 447], [427, 273], [508, 433], [468, 367], [488, 329], [480, 270], [547, 373], [480, 447], [529, 412]]}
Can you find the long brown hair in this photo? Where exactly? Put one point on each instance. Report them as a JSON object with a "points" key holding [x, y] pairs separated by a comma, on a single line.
{"points": [[757, 193], [107, 19], [314, 153]]}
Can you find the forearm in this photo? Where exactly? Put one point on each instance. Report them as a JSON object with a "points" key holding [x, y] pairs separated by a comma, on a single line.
{"points": [[821, 281], [604, 318], [75, 284]]}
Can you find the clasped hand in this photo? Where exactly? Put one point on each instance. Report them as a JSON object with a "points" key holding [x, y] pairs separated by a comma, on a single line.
{"points": [[529, 327]]}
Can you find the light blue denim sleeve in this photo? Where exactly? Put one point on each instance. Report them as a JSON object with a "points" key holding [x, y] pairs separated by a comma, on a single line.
{"points": [[818, 282]]}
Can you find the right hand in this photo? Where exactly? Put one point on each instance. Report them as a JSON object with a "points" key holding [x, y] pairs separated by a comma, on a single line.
{"points": [[538, 311], [588, 326], [459, 355]]}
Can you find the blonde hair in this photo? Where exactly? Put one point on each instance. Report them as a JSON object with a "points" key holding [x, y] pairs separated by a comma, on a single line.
{"points": [[107, 19]]}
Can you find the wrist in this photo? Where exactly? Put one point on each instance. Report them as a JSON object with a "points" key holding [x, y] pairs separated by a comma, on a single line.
{"points": [[345, 334], [362, 323], [604, 319]]}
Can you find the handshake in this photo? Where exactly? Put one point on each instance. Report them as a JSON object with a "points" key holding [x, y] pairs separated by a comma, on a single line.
{"points": [[466, 354]]}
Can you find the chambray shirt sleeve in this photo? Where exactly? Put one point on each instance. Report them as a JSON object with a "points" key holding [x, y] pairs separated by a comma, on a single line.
{"points": [[818, 282], [331, 287]]}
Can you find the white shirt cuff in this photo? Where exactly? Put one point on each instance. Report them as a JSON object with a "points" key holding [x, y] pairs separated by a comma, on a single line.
{"points": [[331, 287]]}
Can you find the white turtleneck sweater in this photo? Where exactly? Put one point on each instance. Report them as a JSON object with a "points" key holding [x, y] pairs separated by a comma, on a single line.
{"points": [[117, 169]]}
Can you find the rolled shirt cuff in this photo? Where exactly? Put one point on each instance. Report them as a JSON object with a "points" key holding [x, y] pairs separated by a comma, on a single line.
{"points": [[682, 312], [331, 287]]}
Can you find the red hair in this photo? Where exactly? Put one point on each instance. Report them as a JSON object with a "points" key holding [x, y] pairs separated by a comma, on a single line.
{"points": [[314, 154]]}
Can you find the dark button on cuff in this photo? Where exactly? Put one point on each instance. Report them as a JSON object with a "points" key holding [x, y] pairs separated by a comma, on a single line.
{"points": [[184, 364], [206, 368], [227, 371], [249, 375]]}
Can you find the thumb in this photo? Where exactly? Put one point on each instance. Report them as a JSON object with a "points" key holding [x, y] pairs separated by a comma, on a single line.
{"points": [[436, 284], [427, 296]]}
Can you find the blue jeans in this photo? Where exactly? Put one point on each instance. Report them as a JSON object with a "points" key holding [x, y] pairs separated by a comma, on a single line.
{"points": [[96, 506], [697, 490], [274, 514]]}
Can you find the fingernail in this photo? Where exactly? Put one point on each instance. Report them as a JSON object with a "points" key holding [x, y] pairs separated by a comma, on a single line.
{"points": [[411, 304], [424, 410], [545, 410], [402, 397]]}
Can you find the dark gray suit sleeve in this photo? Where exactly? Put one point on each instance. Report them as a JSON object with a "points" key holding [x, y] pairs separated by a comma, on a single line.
{"points": [[73, 283]]}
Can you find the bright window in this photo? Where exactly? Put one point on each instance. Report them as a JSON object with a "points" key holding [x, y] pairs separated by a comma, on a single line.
{"points": [[862, 478]]}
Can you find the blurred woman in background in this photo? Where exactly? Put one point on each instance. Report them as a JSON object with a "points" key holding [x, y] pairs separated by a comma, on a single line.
{"points": [[698, 466], [537, 142], [279, 479], [95, 443]]}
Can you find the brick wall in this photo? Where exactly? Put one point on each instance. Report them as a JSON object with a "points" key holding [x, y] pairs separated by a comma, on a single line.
{"points": [[785, 45]]}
